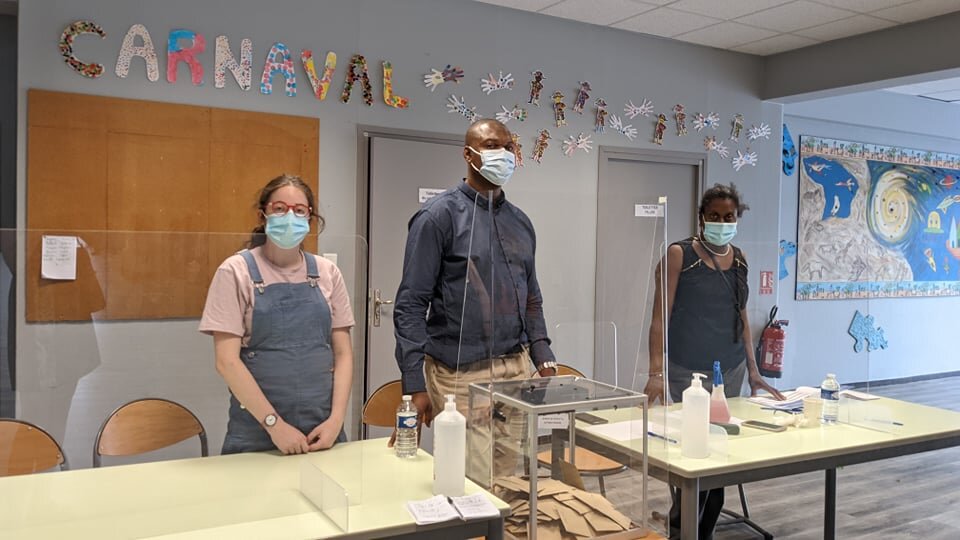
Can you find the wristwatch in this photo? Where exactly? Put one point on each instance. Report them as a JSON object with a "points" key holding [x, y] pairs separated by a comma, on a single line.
{"points": [[547, 365], [270, 420]]}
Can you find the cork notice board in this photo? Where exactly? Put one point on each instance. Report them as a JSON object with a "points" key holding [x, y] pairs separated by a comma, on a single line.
{"points": [[158, 193]]}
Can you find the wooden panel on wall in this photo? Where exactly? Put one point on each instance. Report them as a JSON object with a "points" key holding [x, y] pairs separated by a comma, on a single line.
{"points": [[161, 194]]}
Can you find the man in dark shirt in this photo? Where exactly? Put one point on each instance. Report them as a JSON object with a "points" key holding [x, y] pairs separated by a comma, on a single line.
{"points": [[470, 237]]}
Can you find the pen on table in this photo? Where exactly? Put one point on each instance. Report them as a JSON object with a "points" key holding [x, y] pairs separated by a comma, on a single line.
{"points": [[659, 436], [883, 421]]}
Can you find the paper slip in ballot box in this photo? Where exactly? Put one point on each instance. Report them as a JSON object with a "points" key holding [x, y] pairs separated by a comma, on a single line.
{"points": [[522, 443]]}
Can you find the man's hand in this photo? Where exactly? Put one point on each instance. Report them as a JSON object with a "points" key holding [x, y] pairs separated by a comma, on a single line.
{"points": [[287, 438], [548, 372], [757, 383], [654, 389], [424, 415], [324, 435]]}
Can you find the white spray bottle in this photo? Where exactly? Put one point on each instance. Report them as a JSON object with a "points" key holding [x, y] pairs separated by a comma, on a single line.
{"points": [[695, 420]]}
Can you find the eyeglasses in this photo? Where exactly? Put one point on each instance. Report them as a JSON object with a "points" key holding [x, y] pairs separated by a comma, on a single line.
{"points": [[280, 208]]}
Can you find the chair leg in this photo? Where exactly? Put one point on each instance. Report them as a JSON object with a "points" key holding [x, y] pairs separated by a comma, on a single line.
{"points": [[743, 501]]}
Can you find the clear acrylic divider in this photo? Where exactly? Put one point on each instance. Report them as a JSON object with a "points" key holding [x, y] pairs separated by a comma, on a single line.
{"points": [[331, 498]]}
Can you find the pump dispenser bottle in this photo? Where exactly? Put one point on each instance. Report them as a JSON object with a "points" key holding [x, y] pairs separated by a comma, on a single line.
{"points": [[719, 410], [695, 420], [449, 450]]}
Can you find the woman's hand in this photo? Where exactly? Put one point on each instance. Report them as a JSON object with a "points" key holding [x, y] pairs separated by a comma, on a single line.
{"points": [[757, 383], [654, 388], [288, 439], [324, 435]]}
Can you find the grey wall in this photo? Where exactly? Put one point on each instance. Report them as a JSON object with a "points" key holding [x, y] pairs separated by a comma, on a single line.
{"points": [[920, 331], [122, 360]]}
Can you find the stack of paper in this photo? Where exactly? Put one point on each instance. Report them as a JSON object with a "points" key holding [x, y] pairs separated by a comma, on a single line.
{"points": [[563, 512], [439, 508], [791, 400]]}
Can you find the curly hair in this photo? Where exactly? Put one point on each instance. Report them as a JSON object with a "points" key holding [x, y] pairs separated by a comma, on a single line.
{"points": [[723, 191]]}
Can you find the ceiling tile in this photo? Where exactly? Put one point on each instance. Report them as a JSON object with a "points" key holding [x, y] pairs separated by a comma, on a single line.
{"points": [[953, 95], [794, 16], [597, 11], [528, 5], [858, 24], [666, 22], [863, 6], [921, 9], [728, 9], [726, 35], [776, 44]]}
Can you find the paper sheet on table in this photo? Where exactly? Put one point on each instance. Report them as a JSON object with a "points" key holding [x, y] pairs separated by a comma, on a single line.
{"points": [[432, 510], [58, 258], [792, 400], [861, 396]]}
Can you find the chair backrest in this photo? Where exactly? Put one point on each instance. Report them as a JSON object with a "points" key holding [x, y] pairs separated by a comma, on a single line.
{"points": [[26, 448], [563, 369], [145, 425], [381, 409]]}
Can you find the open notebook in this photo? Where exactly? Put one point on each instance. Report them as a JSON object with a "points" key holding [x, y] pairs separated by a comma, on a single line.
{"points": [[441, 508]]}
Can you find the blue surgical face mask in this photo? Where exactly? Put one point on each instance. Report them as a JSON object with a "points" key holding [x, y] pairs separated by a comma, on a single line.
{"points": [[496, 165], [719, 234], [288, 230]]}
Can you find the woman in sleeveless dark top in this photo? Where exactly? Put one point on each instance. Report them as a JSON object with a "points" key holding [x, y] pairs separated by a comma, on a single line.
{"points": [[707, 294]]}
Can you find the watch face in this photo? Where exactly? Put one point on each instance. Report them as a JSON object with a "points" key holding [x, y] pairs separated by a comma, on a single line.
{"points": [[270, 420]]}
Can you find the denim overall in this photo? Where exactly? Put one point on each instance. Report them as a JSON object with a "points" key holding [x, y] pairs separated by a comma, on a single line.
{"points": [[290, 357]]}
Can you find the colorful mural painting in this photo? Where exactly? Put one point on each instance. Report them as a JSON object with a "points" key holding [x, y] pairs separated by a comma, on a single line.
{"points": [[876, 221]]}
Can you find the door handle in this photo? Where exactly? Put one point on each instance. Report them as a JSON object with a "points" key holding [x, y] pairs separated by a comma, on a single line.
{"points": [[377, 302]]}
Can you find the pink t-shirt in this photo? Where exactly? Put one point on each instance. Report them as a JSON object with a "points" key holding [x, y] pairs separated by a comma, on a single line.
{"points": [[229, 306]]}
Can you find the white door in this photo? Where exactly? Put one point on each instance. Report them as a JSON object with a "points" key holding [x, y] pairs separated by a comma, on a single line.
{"points": [[400, 168]]}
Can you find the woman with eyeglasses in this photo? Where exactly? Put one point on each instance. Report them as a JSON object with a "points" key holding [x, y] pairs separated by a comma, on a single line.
{"points": [[280, 319]]}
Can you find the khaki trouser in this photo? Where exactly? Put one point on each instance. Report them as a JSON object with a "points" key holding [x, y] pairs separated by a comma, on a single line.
{"points": [[508, 428]]}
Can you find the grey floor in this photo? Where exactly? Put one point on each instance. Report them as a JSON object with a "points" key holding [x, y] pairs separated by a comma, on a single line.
{"points": [[909, 497]]}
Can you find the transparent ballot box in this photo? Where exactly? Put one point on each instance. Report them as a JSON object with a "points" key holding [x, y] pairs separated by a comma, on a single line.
{"points": [[554, 449]]}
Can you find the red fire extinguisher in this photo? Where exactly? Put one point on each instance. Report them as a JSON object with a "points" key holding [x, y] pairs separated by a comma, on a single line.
{"points": [[770, 347]]}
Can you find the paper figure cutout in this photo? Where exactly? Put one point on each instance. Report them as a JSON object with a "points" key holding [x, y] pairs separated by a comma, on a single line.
{"points": [[319, 84], [70, 33], [711, 143], [516, 113], [357, 63], [395, 101], [788, 153], [681, 119], [541, 145], [632, 111], [517, 149], [458, 105], [582, 97], [491, 84], [755, 132], [659, 129], [436, 77], [601, 120], [711, 120], [558, 106], [617, 125], [742, 159], [177, 54], [863, 332], [146, 51], [581, 142], [536, 85], [225, 60], [737, 126], [787, 250], [279, 62]]}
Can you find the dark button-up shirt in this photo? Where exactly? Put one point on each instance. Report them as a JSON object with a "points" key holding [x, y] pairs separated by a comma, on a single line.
{"points": [[469, 289]]}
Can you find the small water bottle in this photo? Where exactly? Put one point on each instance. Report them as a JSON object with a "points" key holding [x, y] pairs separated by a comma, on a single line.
{"points": [[406, 444], [830, 394]]}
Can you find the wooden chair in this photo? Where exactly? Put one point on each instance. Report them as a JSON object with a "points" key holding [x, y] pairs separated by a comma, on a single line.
{"points": [[589, 463], [27, 448], [144, 425], [381, 409]]}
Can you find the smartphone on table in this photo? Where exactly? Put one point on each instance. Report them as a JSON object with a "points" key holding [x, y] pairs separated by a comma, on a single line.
{"points": [[766, 426]]}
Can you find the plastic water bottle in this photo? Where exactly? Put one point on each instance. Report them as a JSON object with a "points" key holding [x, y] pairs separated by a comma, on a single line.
{"points": [[406, 444], [830, 394], [449, 450]]}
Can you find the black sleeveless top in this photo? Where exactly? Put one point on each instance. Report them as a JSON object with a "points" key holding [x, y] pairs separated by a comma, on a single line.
{"points": [[705, 323]]}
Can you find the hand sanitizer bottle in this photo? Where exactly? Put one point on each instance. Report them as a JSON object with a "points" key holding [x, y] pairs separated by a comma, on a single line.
{"points": [[449, 450], [719, 410], [695, 420]]}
